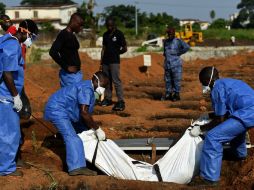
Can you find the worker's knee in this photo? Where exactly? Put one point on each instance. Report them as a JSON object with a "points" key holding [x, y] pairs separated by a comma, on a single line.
{"points": [[212, 142], [73, 138]]}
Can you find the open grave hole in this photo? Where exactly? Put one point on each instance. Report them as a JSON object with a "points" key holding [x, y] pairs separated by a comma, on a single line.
{"points": [[134, 94], [148, 84], [166, 128], [104, 111], [174, 115], [186, 105], [154, 95], [133, 128]]}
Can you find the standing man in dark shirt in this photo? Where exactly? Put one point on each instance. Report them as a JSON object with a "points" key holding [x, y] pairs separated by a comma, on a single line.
{"points": [[114, 44], [64, 51]]}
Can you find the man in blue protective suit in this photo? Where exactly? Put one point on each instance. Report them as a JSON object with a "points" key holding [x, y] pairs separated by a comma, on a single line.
{"points": [[233, 105], [173, 49], [69, 109], [11, 84], [64, 52]]}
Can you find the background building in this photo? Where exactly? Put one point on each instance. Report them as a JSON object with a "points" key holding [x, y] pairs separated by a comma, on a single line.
{"points": [[203, 24], [57, 15]]}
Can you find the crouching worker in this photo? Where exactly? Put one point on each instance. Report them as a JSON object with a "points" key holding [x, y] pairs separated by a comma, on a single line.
{"points": [[69, 109], [233, 106], [11, 84]]}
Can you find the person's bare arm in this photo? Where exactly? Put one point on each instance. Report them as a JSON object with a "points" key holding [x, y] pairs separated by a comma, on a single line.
{"points": [[123, 49], [9, 81], [87, 117], [123, 45], [102, 54], [72, 69]]}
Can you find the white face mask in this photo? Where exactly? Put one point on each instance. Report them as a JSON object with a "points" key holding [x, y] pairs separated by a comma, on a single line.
{"points": [[207, 89], [28, 42], [96, 95], [100, 90]]}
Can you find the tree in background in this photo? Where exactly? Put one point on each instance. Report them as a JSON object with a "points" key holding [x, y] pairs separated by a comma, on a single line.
{"points": [[246, 15], [86, 14], [219, 23], [155, 23], [124, 15], [47, 27], [212, 14], [162, 20], [2, 8], [196, 27], [45, 2], [86, 10]]}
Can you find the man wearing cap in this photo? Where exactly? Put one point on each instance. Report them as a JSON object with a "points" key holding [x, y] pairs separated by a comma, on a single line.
{"points": [[173, 49]]}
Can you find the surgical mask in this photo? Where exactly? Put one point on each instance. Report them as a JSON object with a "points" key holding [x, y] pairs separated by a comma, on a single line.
{"points": [[28, 42], [207, 89], [100, 90], [96, 95]]}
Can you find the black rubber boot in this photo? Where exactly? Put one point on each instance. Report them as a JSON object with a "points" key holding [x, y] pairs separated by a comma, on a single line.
{"points": [[176, 97], [106, 102], [16, 173], [119, 106], [82, 171], [167, 97], [200, 182]]}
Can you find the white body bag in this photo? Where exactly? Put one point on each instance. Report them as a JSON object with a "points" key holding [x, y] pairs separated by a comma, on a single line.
{"points": [[178, 165]]}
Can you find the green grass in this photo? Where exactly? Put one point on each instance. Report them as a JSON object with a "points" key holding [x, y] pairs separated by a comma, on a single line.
{"points": [[146, 49], [34, 55], [142, 49], [247, 34], [223, 34]]}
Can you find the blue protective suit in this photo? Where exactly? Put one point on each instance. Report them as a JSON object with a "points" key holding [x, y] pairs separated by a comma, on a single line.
{"points": [[67, 79], [63, 110], [10, 60], [173, 49], [1, 65], [236, 98]]}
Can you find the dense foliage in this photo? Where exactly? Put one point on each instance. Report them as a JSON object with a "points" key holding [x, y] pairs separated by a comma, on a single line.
{"points": [[245, 19], [125, 16], [2, 8]]}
